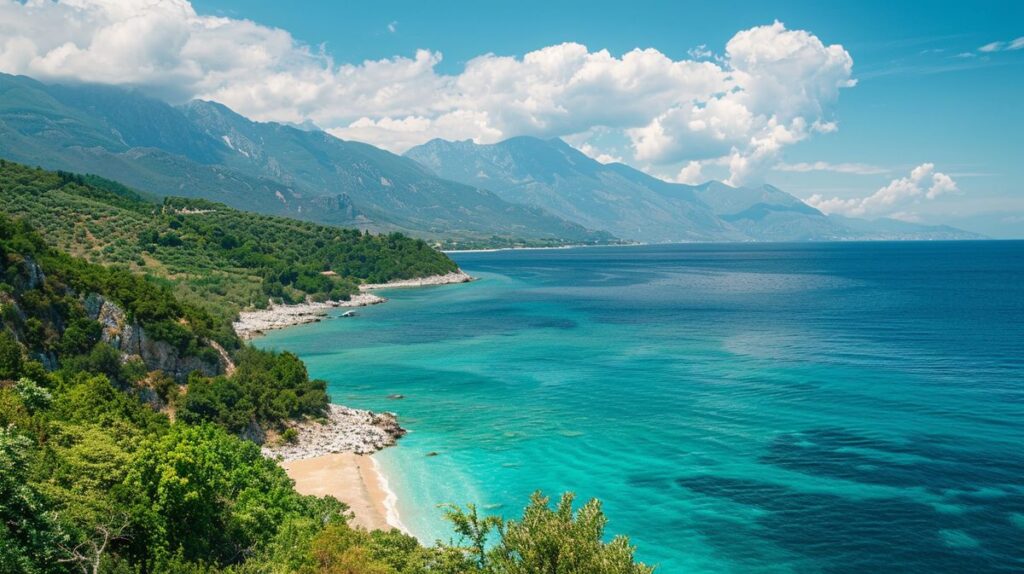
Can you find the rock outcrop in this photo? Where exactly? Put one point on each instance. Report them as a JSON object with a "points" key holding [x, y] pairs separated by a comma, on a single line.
{"points": [[131, 340], [345, 430]]}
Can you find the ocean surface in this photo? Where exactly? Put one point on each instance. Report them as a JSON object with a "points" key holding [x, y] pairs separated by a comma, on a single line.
{"points": [[847, 407]]}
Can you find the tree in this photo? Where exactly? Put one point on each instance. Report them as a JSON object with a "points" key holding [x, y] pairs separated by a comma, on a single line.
{"points": [[28, 536], [211, 495], [33, 396], [474, 530], [552, 541], [88, 555], [10, 356]]}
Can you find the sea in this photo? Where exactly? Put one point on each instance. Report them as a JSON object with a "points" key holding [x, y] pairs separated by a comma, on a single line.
{"points": [[807, 407]]}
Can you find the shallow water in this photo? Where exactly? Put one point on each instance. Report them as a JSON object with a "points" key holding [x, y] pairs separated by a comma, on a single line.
{"points": [[738, 408]]}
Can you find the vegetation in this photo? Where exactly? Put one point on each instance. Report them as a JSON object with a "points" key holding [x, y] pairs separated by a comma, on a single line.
{"points": [[94, 479], [210, 255], [109, 467], [44, 295]]}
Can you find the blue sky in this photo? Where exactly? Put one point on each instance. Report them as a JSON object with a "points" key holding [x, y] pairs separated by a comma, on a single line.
{"points": [[876, 109]]}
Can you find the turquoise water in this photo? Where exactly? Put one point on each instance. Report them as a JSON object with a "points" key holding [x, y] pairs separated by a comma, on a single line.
{"points": [[737, 408]]}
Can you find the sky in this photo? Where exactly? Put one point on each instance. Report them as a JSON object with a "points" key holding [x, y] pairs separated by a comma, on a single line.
{"points": [[911, 110]]}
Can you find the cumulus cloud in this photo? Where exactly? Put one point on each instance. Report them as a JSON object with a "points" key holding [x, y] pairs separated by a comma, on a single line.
{"points": [[779, 85], [772, 87], [691, 174], [893, 200]]}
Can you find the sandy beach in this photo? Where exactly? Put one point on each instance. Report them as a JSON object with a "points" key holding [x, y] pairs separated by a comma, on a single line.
{"points": [[351, 478], [332, 457]]}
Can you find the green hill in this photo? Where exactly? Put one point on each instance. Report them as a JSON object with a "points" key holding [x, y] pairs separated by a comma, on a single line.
{"points": [[212, 256]]}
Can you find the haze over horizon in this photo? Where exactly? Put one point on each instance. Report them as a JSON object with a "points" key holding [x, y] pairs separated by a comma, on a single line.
{"points": [[868, 111]]}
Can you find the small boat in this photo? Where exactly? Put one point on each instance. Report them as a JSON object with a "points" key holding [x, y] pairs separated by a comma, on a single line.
{"points": [[349, 314]]}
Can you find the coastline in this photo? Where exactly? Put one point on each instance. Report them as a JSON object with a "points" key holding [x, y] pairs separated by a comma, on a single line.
{"points": [[452, 278], [253, 323], [333, 456], [548, 248], [354, 479]]}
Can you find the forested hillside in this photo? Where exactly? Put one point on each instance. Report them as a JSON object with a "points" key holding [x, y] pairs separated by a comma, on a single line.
{"points": [[209, 254], [97, 476]]}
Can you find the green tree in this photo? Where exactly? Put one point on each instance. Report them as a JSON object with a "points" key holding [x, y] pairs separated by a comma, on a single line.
{"points": [[550, 540], [28, 537], [10, 356]]}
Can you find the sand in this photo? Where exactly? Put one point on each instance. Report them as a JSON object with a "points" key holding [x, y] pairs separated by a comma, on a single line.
{"points": [[351, 478]]}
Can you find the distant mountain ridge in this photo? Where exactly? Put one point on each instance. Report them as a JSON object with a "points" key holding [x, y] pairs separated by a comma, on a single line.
{"points": [[522, 191], [205, 150], [553, 175], [556, 177]]}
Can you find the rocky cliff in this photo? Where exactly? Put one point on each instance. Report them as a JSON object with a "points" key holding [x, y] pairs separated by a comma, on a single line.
{"points": [[132, 341]]}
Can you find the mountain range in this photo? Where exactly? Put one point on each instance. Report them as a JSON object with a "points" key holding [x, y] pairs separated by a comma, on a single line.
{"points": [[205, 150], [552, 175], [522, 191]]}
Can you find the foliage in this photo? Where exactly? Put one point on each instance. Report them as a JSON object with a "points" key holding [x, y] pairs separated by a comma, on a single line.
{"points": [[266, 387], [93, 479], [32, 395], [561, 541], [28, 537], [212, 256]]}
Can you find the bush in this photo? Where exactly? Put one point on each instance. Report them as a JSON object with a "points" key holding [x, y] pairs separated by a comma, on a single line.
{"points": [[290, 435]]}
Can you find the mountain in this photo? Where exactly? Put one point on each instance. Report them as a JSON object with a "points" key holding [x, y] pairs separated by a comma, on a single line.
{"points": [[766, 213], [522, 191], [631, 204], [897, 230], [207, 151], [554, 176]]}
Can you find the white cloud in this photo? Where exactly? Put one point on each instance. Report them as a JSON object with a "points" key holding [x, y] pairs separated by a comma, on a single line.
{"points": [[393, 26], [923, 184], [1015, 44], [771, 88], [852, 168], [691, 174], [779, 86], [595, 153], [701, 53]]}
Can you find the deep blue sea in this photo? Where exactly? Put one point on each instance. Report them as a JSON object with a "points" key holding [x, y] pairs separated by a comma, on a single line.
{"points": [[844, 407]]}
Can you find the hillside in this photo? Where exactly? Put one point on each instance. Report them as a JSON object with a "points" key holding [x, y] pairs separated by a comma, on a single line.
{"points": [[767, 213], [212, 256], [554, 176], [896, 230], [96, 477], [204, 150]]}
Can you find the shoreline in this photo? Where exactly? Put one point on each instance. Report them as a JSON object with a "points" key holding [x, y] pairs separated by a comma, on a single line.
{"points": [[333, 456], [452, 278], [254, 323], [354, 479]]}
